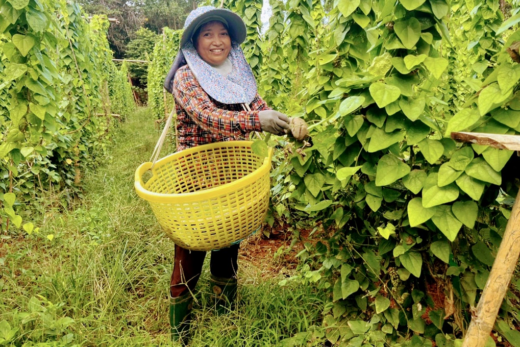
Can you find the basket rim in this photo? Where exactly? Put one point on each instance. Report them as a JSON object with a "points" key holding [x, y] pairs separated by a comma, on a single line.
{"points": [[211, 193]]}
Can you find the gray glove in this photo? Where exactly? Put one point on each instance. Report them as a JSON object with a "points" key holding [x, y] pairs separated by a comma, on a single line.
{"points": [[273, 122]]}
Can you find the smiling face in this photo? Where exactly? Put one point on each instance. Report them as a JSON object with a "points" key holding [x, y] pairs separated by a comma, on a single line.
{"points": [[213, 43]]}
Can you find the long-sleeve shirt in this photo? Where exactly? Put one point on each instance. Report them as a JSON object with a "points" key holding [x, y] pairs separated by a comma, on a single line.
{"points": [[202, 120]]}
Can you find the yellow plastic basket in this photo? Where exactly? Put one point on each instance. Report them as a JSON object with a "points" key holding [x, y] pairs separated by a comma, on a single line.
{"points": [[209, 196]]}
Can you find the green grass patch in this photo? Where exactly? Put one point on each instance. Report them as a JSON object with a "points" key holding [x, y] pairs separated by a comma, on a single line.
{"points": [[98, 274]]}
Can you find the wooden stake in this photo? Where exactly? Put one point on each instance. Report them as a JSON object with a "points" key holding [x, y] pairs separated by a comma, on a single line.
{"points": [[497, 284], [483, 319], [132, 61]]}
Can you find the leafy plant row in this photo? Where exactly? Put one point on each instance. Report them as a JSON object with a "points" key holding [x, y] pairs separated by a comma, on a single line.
{"points": [[60, 94], [409, 220]]}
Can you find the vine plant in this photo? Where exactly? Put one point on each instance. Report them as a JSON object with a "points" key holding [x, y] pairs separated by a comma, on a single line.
{"points": [[53, 122]]}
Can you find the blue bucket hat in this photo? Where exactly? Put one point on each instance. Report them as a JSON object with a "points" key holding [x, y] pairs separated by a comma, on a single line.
{"points": [[239, 86]]}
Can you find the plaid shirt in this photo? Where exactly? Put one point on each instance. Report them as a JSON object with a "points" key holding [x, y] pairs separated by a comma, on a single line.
{"points": [[202, 120]]}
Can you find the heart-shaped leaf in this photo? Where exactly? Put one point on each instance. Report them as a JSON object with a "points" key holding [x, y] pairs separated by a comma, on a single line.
{"points": [[446, 222], [408, 31], [24, 43], [390, 169], [384, 94], [417, 214], [347, 7], [466, 212]]}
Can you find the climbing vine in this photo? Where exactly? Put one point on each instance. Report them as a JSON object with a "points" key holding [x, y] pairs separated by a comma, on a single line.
{"points": [[55, 109], [408, 220]]}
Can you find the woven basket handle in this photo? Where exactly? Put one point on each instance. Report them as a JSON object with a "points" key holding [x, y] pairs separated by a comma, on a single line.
{"points": [[160, 143]]}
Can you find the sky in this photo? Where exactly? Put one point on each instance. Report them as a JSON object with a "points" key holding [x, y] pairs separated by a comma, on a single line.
{"points": [[266, 14]]}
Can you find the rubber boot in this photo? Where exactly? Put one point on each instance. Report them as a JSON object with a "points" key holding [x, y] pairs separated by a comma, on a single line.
{"points": [[224, 293], [180, 309]]}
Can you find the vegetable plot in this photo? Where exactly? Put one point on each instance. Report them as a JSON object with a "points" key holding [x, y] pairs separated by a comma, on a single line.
{"points": [[60, 94]]}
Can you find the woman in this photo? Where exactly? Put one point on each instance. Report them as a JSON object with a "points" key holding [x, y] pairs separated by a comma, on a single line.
{"points": [[216, 100]]}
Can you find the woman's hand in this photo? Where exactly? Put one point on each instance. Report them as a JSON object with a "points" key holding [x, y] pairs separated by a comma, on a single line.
{"points": [[274, 122]]}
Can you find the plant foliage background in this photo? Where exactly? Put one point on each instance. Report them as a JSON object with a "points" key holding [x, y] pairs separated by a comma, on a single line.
{"points": [[59, 93], [409, 221]]}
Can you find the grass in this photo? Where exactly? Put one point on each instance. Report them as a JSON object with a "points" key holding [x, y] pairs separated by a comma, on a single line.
{"points": [[98, 274]]}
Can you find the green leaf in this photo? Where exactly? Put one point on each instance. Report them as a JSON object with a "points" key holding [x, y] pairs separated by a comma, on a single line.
{"points": [[39, 111], [350, 104], [376, 116], [371, 188], [398, 63], [474, 188], [373, 202], [436, 66], [442, 250], [413, 108], [417, 214], [349, 287], [412, 261], [17, 113], [37, 20], [431, 149], [497, 158], [354, 124], [508, 76], [387, 231], [347, 7], [490, 97], [466, 212], [411, 61], [381, 139], [408, 31], [508, 24], [24, 43], [346, 172], [314, 182], [461, 158], [381, 65], [390, 169], [382, 304], [9, 199], [361, 19], [411, 5], [440, 8], [14, 71], [28, 227], [319, 206], [512, 335], [359, 327], [482, 253], [414, 182], [327, 58], [416, 132], [446, 222], [462, 120], [17, 221], [384, 94], [447, 175], [437, 318], [433, 195], [300, 169], [19, 4], [481, 170], [507, 117]]}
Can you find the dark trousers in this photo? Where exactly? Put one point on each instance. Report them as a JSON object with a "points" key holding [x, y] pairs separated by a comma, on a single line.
{"points": [[187, 267]]}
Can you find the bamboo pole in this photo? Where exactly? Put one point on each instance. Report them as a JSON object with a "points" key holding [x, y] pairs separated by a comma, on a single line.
{"points": [[483, 319], [132, 61], [497, 284]]}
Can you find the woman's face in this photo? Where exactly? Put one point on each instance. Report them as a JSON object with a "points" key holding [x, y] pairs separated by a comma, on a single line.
{"points": [[213, 43]]}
